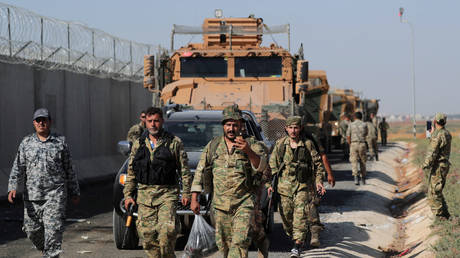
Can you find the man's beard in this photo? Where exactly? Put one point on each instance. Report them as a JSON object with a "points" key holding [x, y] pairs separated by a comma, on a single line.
{"points": [[154, 131], [232, 138]]}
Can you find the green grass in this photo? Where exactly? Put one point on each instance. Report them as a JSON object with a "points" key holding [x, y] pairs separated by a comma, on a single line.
{"points": [[449, 231]]}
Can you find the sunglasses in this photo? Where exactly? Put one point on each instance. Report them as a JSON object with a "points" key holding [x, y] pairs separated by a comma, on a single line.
{"points": [[41, 119]]}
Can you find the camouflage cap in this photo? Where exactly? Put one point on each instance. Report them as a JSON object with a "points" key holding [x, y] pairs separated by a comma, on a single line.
{"points": [[294, 120], [41, 112], [231, 113], [440, 116]]}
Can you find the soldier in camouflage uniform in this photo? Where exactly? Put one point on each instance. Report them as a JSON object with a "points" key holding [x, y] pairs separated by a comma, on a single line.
{"points": [[136, 130], [155, 161], [298, 166], [356, 137], [44, 164], [343, 127], [437, 161], [372, 140], [383, 126], [230, 173]]}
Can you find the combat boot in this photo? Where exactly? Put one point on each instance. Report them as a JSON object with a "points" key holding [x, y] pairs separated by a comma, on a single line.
{"points": [[356, 180], [314, 241]]}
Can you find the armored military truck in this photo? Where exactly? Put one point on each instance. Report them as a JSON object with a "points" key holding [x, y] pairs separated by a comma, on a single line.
{"points": [[231, 66]]}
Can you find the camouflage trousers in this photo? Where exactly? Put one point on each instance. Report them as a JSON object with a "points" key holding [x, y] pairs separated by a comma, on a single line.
{"points": [[437, 181], [157, 228], [44, 224], [232, 229], [257, 230], [313, 221], [358, 156], [373, 150], [296, 213]]}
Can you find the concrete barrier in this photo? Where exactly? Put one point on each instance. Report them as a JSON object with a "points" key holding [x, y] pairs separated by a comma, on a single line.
{"points": [[93, 113]]}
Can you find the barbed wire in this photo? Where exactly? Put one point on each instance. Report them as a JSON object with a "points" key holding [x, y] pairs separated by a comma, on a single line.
{"points": [[26, 37]]}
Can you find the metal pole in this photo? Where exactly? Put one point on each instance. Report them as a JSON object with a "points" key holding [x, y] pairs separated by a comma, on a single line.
{"points": [[92, 43], [114, 55], [172, 39], [9, 32], [41, 38], [411, 26], [230, 35], [289, 37], [131, 58], [68, 42]]}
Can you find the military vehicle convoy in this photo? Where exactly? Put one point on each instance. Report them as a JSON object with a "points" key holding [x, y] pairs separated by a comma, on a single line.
{"points": [[231, 66]]}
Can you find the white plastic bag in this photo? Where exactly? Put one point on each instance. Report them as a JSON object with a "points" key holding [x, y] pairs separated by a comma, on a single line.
{"points": [[202, 239]]}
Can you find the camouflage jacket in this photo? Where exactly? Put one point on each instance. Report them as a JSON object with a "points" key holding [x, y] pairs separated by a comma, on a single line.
{"points": [[375, 122], [343, 127], [135, 132], [45, 167], [384, 126], [288, 180], [439, 148], [231, 174], [371, 131], [357, 131], [151, 195]]}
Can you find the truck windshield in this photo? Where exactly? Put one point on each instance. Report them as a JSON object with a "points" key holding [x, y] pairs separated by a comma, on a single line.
{"points": [[194, 134], [258, 66], [203, 67]]}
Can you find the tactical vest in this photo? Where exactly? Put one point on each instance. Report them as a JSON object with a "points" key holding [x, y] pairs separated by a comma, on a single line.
{"points": [[302, 161], [162, 170]]}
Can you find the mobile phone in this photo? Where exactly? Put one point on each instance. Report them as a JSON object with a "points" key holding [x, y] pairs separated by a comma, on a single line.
{"points": [[428, 125]]}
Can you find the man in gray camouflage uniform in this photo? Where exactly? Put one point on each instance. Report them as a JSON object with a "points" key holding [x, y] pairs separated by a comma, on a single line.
{"points": [[44, 164], [356, 137]]}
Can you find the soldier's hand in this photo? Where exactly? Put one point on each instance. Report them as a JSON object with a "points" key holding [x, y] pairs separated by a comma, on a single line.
{"points": [[331, 180], [242, 144], [128, 202], [185, 201], [195, 206], [320, 189], [11, 196], [75, 200], [270, 191]]}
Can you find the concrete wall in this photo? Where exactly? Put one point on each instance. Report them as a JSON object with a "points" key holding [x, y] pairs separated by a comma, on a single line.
{"points": [[93, 113]]}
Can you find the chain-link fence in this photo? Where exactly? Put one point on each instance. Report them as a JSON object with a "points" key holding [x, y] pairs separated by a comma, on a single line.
{"points": [[30, 38]]}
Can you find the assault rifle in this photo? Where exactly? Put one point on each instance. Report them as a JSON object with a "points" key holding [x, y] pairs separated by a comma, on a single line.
{"points": [[272, 196]]}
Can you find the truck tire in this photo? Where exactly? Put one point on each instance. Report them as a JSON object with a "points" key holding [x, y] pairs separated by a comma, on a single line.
{"points": [[119, 228]]}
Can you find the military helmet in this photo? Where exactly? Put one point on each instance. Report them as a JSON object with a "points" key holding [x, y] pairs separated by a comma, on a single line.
{"points": [[231, 113]]}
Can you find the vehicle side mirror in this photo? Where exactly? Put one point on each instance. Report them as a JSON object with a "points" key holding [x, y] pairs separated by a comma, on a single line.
{"points": [[124, 147]]}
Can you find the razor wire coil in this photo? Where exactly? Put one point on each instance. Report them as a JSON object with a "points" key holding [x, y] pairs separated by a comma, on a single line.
{"points": [[26, 37]]}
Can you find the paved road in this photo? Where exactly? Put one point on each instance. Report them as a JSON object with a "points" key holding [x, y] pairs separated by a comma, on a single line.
{"points": [[92, 235]]}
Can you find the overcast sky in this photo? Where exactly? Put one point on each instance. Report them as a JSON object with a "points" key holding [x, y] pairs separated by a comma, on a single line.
{"points": [[361, 44]]}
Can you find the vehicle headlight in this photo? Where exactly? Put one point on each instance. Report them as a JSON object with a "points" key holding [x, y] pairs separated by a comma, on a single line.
{"points": [[122, 179]]}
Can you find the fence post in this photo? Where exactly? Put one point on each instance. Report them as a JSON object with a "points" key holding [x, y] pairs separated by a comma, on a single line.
{"points": [[114, 55], [131, 58], [41, 39], [9, 32], [68, 41]]}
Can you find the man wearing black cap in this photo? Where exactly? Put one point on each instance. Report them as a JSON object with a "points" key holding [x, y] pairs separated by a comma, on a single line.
{"points": [[44, 164]]}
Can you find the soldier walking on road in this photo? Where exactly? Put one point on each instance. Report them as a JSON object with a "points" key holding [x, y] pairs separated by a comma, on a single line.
{"points": [[230, 173], [437, 161], [44, 163], [343, 127], [156, 163], [372, 140], [314, 222], [383, 126], [356, 137], [297, 166], [136, 130]]}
